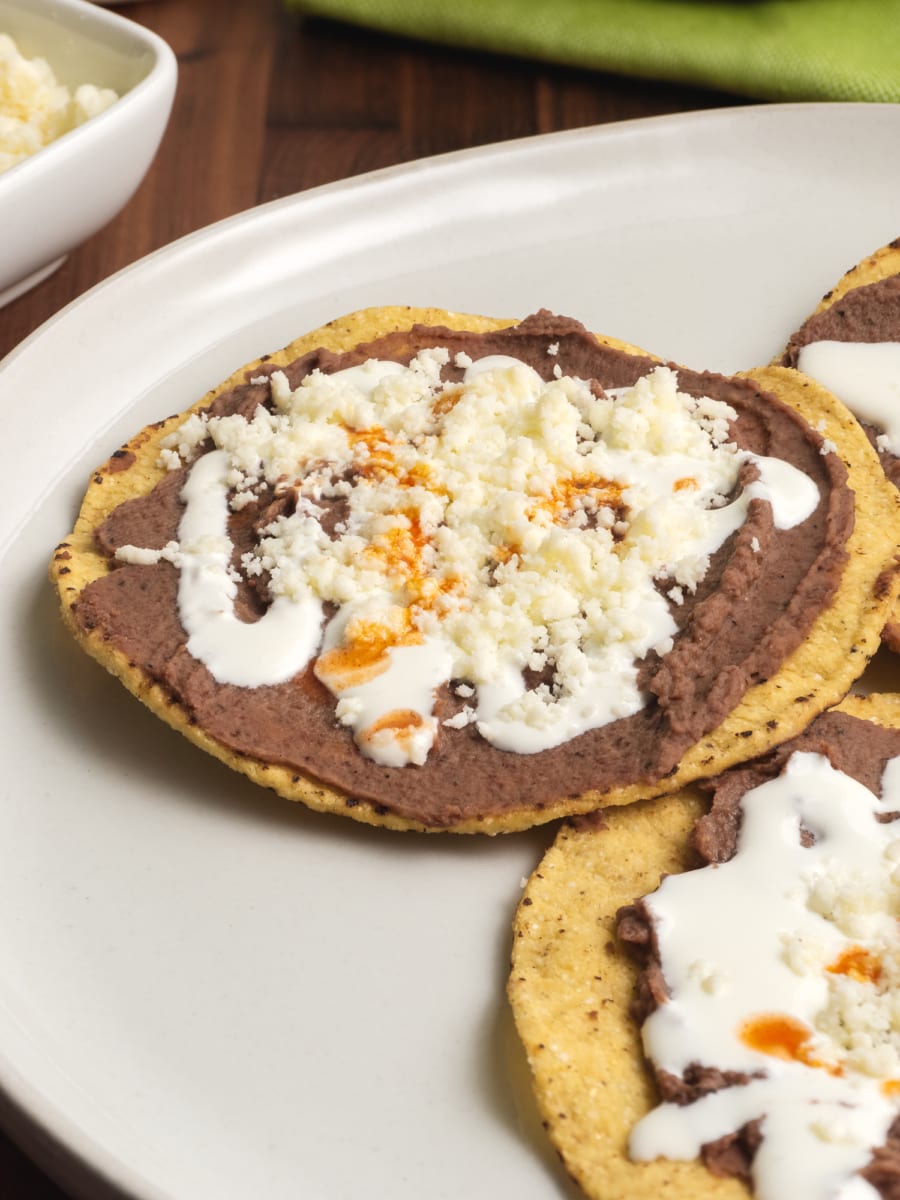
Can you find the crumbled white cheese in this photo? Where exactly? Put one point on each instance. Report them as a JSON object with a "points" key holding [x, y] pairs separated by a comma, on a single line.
{"points": [[141, 556], [861, 1017], [485, 528], [35, 108], [180, 446], [348, 709], [464, 717]]}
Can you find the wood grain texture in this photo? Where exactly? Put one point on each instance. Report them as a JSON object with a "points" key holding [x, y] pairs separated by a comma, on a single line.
{"points": [[269, 104]]}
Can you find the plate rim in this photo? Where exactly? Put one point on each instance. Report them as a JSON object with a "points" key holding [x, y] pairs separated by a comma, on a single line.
{"points": [[57, 1142], [226, 226]]}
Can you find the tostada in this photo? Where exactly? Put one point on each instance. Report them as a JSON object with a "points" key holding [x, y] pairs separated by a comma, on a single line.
{"points": [[706, 989], [444, 572]]}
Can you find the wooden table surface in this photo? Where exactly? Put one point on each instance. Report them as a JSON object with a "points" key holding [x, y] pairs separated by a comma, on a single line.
{"points": [[269, 104]]}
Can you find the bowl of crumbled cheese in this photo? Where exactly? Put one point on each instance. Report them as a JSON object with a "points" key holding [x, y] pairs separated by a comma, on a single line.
{"points": [[85, 95]]}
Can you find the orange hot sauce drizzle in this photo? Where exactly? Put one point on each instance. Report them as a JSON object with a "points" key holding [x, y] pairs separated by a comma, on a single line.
{"points": [[402, 551], [380, 461], [785, 1037], [561, 501], [857, 963], [365, 652], [401, 723], [683, 484], [364, 655], [782, 1037]]}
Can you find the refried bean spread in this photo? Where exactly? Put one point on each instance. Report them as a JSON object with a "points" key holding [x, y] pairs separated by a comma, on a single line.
{"points": [[732, 626]]}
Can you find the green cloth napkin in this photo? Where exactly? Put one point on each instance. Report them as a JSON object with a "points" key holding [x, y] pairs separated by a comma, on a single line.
{"points": [[768, 49]]}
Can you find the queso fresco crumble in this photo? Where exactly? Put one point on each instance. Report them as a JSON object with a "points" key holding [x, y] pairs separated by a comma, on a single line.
{"points": [[484, 518], [35, 108]]}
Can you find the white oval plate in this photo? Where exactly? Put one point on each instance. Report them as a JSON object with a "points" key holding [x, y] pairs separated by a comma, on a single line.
{"points": [[209, 994]]}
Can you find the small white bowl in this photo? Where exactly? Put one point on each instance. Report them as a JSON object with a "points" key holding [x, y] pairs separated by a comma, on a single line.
{"points": [[65, 192]]}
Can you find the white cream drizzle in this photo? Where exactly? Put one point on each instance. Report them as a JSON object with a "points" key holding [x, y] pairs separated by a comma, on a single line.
{"points": [[754, 937], [863, 375], [792, 495], [484, 470], [268, 651]]}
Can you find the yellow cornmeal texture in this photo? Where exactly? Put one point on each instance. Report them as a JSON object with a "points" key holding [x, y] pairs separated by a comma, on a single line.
{"points": [[571, 985], [816, 675], [883, 263]]}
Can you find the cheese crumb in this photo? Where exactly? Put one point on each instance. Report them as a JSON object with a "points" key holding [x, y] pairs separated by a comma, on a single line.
{"points": [[347, 709], [35, 108], [485, 529], [141, 556], [861, 1017], [464, 717]]}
